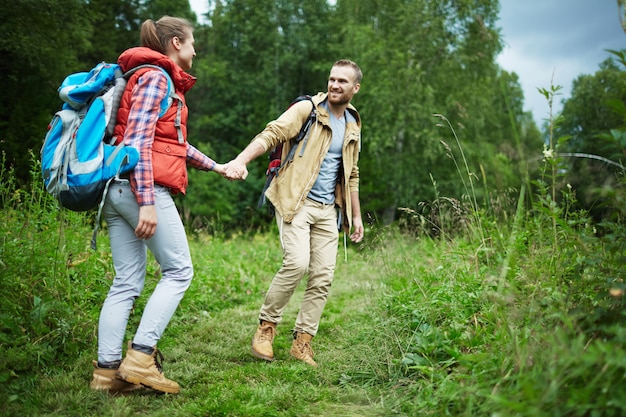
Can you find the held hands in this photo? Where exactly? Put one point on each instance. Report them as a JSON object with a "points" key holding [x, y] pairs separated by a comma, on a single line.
{"points": [[235, 170], [220, 168]]}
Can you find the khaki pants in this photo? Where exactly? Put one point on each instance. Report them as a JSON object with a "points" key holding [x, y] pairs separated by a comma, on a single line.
{"points": [[309, 244]]}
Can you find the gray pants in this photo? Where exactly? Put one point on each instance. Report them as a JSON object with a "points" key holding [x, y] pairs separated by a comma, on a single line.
{"points": [[170, 249]]}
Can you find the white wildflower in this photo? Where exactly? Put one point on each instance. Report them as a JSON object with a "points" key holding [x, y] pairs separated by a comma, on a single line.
{"points": [[548, 153]]}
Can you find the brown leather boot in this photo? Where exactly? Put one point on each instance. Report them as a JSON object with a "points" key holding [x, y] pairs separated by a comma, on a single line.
{"points": [[104, 380], [142, 368], [301, 348], [263, 339]]}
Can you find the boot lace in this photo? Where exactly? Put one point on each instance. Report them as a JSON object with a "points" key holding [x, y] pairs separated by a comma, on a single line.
{"points": [[306, 349], [268, 334], [158, 360]]}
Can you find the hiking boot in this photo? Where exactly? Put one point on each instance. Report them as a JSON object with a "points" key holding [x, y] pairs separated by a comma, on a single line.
{"points": [[104, 379], [145, 369], [263, 339], [301, 348]]}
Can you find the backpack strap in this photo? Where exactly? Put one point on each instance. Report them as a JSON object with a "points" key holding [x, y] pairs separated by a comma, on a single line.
{"points": [[121, 81], [171, 96], [116, 98], [303, 134], [94, 237], [275, 163]]}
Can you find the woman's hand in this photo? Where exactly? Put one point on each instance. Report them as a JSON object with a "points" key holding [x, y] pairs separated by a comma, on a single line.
{"points": [[146, 228]]}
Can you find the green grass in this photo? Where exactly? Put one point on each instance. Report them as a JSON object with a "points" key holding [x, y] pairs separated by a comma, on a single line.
{"points": [[207, 348], [521, 319]]}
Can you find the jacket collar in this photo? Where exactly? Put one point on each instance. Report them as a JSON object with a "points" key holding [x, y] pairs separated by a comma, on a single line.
{"points": [[320, 98], [135, 57]]}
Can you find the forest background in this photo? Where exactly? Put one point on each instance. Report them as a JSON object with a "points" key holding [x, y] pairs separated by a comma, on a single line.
{"points": [[420, 58], [448, 153], [253, 58]]}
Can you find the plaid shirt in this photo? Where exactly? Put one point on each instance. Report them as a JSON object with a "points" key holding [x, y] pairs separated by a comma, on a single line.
{"points": [[142, 119]]}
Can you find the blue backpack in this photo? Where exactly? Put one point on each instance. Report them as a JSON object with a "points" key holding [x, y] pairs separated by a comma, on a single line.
{"points": [[77, 161]]}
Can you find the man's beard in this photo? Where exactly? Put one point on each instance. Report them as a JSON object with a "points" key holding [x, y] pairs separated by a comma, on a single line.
{"points": [[340, 100]]}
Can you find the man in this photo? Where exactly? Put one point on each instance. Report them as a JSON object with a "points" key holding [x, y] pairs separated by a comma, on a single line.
{"points": [[313, 195]]}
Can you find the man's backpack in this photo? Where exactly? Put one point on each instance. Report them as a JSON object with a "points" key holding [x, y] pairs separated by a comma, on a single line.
{"points": [[77, 161], [275, 155]]}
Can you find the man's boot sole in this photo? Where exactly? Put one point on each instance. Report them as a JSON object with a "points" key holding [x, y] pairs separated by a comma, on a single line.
{"points": [[261, 356], [295, 356], [134, 379]]}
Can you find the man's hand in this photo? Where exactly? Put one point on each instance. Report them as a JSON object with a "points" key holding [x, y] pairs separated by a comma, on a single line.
{"points": [[357, 234], [236, 169]]}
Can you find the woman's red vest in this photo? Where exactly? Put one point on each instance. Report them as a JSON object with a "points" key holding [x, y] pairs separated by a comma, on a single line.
{"points": [[169, 149]]}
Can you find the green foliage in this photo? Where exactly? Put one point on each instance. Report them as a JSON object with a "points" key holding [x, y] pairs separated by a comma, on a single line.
{"points": [[46, 304], [154, 9], [496, 293], [419, 58], [596, 150], [517, 312], [542, 337], [408, 79], [41, 43], [115, 26], [253, 59]]}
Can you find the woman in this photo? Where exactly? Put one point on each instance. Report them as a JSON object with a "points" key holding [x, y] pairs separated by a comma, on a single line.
{"points": [[140, 212]]}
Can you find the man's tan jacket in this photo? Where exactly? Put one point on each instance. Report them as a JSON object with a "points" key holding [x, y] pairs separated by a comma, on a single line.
{"points": [[295, 179]]}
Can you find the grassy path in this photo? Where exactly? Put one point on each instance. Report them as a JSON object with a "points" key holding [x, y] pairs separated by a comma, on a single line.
{"points": [[239, 384], [413, 327], [207, 348]]}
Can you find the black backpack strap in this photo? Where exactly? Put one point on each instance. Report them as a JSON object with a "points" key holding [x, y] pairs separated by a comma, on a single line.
{"points": [[303, 134], [272, 170]]}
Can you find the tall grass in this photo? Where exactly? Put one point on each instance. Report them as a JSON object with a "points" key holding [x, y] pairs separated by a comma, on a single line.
{"points": [[503, 319], [45, 300], [532, 331]]}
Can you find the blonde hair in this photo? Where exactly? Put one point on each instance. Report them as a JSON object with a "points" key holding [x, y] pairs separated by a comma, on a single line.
{"points": [[157, 35], [358, 74]]}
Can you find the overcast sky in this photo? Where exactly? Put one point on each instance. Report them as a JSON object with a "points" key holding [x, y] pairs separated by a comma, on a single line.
{"points": [[548, 41], [556, 40]]}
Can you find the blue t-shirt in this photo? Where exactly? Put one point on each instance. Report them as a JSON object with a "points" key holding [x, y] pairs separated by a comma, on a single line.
{"points": [[323, 190]]}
